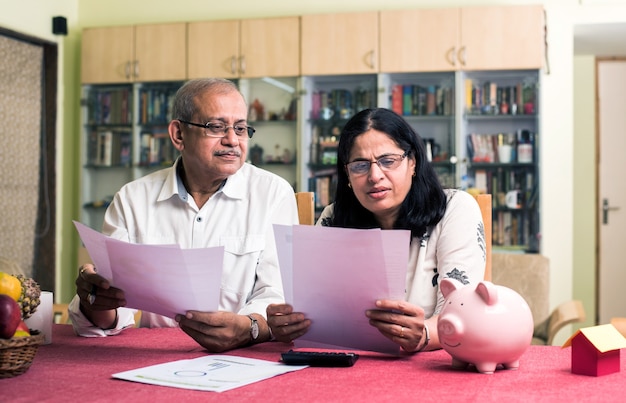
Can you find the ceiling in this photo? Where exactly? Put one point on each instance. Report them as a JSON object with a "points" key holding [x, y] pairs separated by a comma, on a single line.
{"points": [[600, 39]]}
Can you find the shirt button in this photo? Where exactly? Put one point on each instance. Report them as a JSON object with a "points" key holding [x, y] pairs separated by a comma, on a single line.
{"points": [[199, 219]]}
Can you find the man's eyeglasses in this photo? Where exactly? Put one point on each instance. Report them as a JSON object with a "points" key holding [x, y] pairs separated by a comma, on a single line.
{"points": [[219, 130], [385, 163]]}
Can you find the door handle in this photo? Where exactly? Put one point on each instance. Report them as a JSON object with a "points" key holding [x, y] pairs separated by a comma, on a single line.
{"points": [[605, 210]]}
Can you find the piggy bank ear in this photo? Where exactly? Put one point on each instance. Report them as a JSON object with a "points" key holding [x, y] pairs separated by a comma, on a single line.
{"points": [[488, 292], [448, 285]]}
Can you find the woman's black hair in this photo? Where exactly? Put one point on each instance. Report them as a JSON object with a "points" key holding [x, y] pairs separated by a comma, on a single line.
{"points": [[424, 205]]}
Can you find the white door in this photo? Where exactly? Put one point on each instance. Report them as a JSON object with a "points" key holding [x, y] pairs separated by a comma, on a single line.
{"points": [[611, 79]]}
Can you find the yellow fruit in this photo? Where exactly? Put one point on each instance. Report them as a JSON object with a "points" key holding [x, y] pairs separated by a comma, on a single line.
{"points": [[10, 285], [22, 330]]}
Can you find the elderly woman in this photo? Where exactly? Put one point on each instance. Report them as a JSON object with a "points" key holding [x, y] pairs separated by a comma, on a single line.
{"points": [[385, 181]]}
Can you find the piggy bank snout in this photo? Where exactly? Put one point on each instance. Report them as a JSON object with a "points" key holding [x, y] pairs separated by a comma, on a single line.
{"points": [[450, 327]]}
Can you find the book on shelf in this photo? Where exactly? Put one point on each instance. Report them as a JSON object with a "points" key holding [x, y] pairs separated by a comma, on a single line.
{"points": [[407, 100], [109, 106], [156, 149], [431, 101], [109, 148], [323, 186], [155, 104], [396, 99]]}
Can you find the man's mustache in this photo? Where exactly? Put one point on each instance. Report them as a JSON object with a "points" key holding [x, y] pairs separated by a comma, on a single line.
{"points": [[227, 152]]}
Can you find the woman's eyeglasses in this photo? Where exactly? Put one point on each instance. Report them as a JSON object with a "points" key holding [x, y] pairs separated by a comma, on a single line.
{"points": [[386, 163]]}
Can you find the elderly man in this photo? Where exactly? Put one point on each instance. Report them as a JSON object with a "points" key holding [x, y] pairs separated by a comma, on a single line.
{"points": [[209, 197]]}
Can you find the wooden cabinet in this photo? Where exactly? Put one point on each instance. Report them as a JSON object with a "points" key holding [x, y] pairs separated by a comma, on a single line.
{"points": [[107, 55], [419, 40], [467, 38], [340, 44], [244, 48], [507, 37], [134, 53]]}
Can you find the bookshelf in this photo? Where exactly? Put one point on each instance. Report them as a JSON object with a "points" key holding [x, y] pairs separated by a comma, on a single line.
{"points": [[499, 129], [327, 104], [454, 112], [125, 137], [427, 101], [273, 112]]}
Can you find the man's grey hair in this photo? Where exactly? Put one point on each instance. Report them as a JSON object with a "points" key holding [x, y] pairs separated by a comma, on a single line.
{"points": [[184, 106]]}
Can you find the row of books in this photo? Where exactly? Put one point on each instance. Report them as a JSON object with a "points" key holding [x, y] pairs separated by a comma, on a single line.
{"points": [[155, 105], [489, 98], [156, 149], [323, 185], [341, 103], [109, 148], [418, 100], [509, 229], [110, 106], [501, 181]]}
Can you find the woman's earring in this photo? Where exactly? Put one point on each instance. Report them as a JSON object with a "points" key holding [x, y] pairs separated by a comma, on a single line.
{"points": [[413, 173], [350, 185]]}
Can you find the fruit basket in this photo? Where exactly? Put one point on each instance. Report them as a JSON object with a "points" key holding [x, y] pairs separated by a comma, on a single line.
{"points": [[17, 353]]}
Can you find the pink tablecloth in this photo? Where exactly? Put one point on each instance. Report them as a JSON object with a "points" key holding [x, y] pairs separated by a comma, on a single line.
{"points": [[79, 369]]}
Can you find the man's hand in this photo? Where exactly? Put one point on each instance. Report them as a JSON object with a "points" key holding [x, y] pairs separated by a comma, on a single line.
{"points": [[221, 331], [98, 300]]}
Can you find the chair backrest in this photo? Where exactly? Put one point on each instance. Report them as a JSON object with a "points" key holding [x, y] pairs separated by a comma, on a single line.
{"points": [[484, 202], [306, 208], [60, 314], [529, 275]]}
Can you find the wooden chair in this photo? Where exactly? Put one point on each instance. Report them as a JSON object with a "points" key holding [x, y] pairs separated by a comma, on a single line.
{"points": [[60, 314], [484, 202], [306, 207], [529, 275], [620, 325]]}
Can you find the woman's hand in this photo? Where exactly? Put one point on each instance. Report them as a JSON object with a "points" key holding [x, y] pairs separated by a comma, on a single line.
{"points": [[401, 322], [285, 324], [98, 300]]}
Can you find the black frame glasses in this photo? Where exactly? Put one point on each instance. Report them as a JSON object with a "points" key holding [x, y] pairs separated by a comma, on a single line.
{"points": [[386, 163], [219, 130]]}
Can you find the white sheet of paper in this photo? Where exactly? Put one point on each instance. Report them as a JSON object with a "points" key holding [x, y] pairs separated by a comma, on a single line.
{"points": [[284, 245], [337, 274], [216, 373], [163, 279]]}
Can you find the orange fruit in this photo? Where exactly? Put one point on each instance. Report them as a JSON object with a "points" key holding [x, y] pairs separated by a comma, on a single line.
{"points": [[10, 285]]}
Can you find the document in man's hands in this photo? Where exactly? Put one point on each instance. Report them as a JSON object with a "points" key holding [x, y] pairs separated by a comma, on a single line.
{"points": [[333, 275], [163, 279]]}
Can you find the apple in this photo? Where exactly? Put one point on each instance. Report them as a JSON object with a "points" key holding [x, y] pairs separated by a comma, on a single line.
{"points": [[10, 316], [22, 330]]}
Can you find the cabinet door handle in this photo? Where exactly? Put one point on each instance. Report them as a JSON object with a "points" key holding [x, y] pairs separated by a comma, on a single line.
{"points": [[368, 59], [233, 64], [127, 70], [450, 56], [242, 65], [136, 69], [461, 55]]}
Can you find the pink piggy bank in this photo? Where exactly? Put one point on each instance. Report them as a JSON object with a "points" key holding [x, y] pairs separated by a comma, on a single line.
{"points": [[484, 325]]}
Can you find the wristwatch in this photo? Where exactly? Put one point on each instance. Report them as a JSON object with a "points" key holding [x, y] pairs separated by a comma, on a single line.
{"points": [[254, 328]]}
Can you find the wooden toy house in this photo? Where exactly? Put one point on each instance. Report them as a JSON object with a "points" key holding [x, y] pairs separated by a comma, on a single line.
{"points": [[596, 350]]}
